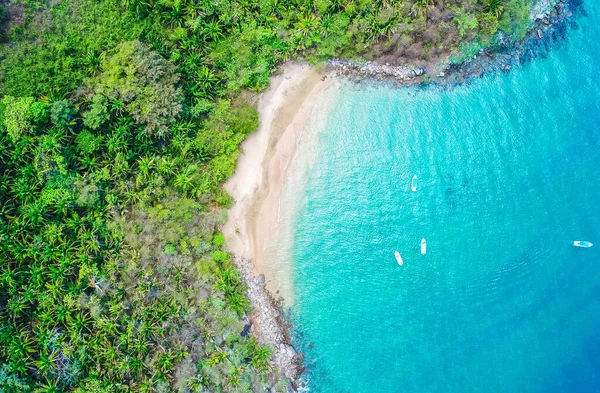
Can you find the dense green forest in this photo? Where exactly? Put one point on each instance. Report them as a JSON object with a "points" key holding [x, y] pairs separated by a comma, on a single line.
{"points": [[119, 121]]}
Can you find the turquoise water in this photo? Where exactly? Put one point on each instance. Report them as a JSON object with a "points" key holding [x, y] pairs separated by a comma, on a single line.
{"points": [[509, 170]]}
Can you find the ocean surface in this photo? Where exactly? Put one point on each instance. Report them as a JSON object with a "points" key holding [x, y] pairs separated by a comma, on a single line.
{"points": [[508, 173]]}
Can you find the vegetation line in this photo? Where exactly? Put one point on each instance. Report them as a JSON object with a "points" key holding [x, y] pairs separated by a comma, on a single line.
{"points": [[119, 121]]}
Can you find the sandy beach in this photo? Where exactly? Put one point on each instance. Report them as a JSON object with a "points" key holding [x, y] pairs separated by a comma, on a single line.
{"points": [[256, 186]]}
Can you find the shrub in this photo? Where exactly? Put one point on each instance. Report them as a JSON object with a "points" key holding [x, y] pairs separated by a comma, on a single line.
{"points": [[464, 21], [87, 142], [17, 115], [515, 19], [466, 51], [145, 82], [61, 112], [39, 112], [218, 240], [488, 24], [170, 249], [220, 256], [98, 113]]}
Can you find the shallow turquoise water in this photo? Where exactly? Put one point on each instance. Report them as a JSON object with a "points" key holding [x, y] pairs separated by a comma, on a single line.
{"points": [[509, 170]]}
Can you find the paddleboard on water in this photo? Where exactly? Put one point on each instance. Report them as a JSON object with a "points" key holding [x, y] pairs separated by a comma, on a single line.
{"points": [[398, 258]]}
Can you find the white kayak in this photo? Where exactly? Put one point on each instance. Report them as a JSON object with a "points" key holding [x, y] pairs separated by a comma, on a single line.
{"points": [[413, 184], [398, 258], [582, 243], [423, 246]]}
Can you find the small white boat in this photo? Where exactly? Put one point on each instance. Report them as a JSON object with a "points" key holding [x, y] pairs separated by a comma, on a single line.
{"points": [[582, 243], [423, 246], [398, 258], [413, 184]]}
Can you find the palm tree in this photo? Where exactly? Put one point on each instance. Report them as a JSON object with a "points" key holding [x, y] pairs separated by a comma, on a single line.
{"points": [[140, 347], [196, 384], [494, 7], [238, 302], [50, 386], [16, 305], [144, 165], [143, 387], [24, 188], [7, 278], [307, 25], [46, 365], [206, 81], [165, 361], [141, 7], [21, 346], [261, 357], [184, 180], [81, 322], [93, 61], [213, 30], [117, 106]]}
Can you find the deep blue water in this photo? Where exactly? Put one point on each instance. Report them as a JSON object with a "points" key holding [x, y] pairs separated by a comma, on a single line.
{"points": [[509, 176]]}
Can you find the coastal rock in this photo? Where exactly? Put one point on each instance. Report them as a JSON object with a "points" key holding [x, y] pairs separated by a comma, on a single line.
{"points": [[550, 22], [268, 327], [369, 68], [541, 8]]}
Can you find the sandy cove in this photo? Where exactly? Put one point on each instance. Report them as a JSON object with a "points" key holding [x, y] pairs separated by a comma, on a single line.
{"points": [[256, 186], [284, 110]]}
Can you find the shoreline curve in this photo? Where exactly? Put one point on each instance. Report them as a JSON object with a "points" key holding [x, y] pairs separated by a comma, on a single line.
{"points": [[284, 110]]}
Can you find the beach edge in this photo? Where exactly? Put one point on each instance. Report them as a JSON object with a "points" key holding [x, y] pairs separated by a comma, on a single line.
{"points": [[284, 110]]}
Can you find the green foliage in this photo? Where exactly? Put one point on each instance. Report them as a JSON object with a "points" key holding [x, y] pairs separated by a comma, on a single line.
{"points": [[98, 113], [494, 7], [170, 249], [4, 22], [464, 21], [17, 115], [38, 112], [109, 290], [3, 13], [488, 24], [88, 143], [63, 45], [218, 240], [466, 51], [61, 113], [515, 19], [144, 82]]}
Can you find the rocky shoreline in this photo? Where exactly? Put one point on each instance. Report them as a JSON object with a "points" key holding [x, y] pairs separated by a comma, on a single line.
{"points": [[268, 325], [550, 27]]}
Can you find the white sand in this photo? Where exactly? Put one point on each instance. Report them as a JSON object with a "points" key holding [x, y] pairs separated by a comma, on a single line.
{"points": [[256, 186]]}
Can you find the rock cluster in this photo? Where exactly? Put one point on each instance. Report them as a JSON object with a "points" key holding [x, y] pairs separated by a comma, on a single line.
{"points": [[541, 8], [268, 324], [402, 72]]}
